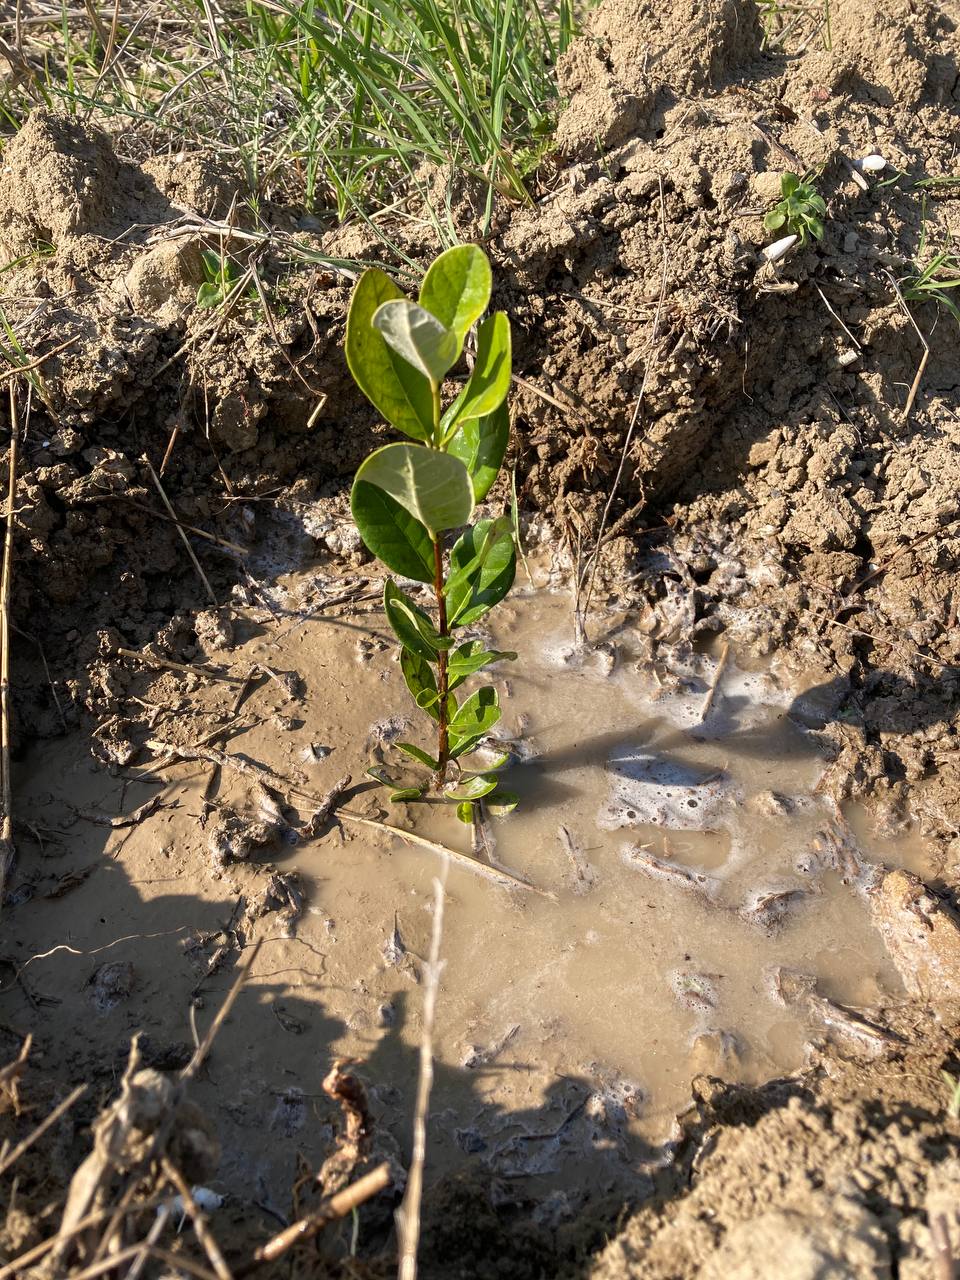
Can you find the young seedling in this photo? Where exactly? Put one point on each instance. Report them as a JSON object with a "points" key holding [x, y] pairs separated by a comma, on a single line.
{"points": [[800, 210], [933, 280], [220, 274], [407, 498]]}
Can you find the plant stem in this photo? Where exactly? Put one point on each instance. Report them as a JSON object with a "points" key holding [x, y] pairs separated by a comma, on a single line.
{"points": [[443, 745]]}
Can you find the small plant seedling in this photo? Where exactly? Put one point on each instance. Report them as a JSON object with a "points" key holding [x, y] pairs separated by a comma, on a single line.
{"points": [[800, 210], [407, 498], [220, 275], [933, 280]]}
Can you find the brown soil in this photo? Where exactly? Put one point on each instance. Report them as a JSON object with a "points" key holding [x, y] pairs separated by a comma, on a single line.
{"points": [[776, 491]]}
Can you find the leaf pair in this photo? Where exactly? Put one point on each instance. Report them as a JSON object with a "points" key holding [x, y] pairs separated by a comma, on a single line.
{"points": [[399, 351]]}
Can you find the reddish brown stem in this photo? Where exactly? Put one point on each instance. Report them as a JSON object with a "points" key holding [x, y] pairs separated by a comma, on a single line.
{"points": [[443, 745]]}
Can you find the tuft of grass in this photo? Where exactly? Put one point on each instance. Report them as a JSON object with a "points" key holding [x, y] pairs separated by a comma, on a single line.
{"points": [[328, 103], [802, 21], [934, 277]]}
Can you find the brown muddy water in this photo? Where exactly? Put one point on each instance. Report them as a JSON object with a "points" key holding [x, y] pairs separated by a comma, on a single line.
{"points": [[688, 855]]}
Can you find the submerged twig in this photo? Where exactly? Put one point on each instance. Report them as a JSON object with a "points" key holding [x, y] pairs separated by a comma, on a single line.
{"points": [[714, 683], [408, 1215]]}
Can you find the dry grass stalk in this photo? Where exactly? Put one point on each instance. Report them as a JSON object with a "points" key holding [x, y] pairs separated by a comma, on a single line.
{"points": [[408, 1215], [715, 683], [582, 608], [6, 786], [11, 1157], [337, 1206], [186, 541], [210, 1246]]}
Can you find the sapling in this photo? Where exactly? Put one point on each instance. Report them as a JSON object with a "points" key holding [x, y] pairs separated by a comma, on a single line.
{"points": [[408, 498]]}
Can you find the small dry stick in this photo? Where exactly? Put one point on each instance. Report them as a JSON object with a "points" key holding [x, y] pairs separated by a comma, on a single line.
{"points": [[943, 1258], [186, 541], [408, 1215], [149, 660], [233, 547], [338, 1206], [60, 1109], [714, 684], [200, 1053], [178, 1261], [915, 385], [210, 1246], [580, 611], [6, 786], [15, 372]]}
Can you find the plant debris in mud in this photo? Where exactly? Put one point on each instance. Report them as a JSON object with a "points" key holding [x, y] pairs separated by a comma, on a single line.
{"points": [[406, 497]]}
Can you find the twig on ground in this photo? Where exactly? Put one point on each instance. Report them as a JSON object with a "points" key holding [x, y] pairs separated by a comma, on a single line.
{"points": [[580, 610], [200, 1053], [233, 547], [15, 372], [714, 683], [121, 819], [11, 1157], [186, 541], [326, 804], [150, 660], [915, 385], [210, 1246], [338, 1206], [6, 785], [408, 1215], [270, 779]]}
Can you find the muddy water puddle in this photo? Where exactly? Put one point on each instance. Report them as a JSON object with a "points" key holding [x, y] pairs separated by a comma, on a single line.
{"points": [[706, 903]]}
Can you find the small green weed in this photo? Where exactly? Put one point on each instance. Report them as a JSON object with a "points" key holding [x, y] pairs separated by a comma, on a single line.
{"points": [[407, 497], [934, 279], [220, 275], [800, 211], [780, 20]]}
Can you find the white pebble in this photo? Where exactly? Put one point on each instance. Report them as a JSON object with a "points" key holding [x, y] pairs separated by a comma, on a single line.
{"points": [[774, 252], [872, 164]]}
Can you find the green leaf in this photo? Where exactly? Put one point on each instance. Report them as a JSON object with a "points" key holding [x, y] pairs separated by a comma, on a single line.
{"points": [[815, 227], [412, 627], [490, 581], [490, 381], [477, 716], [471, 657], [418, 337], [379, 774], [391, 532], [774, 220], [465, 813], [480, 444], [434, 487], [473, 788], [418, 675], [208, 295], [789, 182], [485, 544], [456, 288], [400, 393], [502, 802], [416, 753], [407, 793]]}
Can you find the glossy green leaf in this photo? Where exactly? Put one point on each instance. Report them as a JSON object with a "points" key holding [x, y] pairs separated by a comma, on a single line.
{"points": [[412, 627], [418, 675], [473, 788], [789, 182], [391, 532], [490, 381], [490, 581], [407, 793], [480, 444], [379, 774], [501, 802], [418, 754], [434, 487], [418, 337], [465, 813], [485, 544], [456, 288], [476, 716], [471, 657], [397, 390]]}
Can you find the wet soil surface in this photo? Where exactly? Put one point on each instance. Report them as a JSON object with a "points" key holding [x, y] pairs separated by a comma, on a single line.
{"points": [[777, 497]]}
